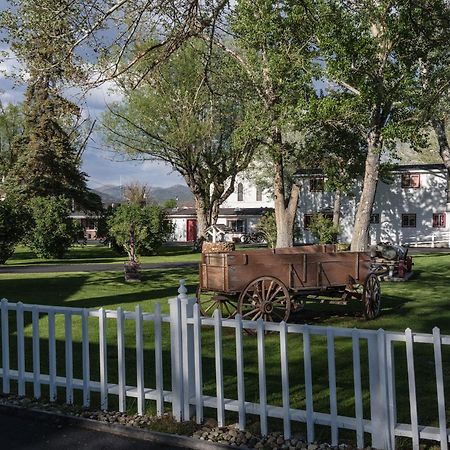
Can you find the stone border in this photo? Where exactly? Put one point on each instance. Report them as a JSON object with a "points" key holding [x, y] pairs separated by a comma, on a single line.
{"points": [[120, 430]]}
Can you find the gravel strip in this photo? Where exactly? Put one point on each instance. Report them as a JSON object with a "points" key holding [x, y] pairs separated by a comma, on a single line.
{"points": [[209, 431]]}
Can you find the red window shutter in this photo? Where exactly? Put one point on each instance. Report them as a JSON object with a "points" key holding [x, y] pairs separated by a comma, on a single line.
{"points": [[415, 181]]}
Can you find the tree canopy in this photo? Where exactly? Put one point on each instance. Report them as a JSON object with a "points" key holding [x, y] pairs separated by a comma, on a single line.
{"points": [[186, 117]]}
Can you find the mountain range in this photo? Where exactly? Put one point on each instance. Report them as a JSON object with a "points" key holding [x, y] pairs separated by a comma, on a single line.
{"points": [[114, 194]]}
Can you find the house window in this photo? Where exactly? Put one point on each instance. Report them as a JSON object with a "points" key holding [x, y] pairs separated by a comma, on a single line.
{"points": [[238, 225], [439, 220], [375, 218], [408, 221], [410, 180], [316, 184], [258, 194], [240, 192]]}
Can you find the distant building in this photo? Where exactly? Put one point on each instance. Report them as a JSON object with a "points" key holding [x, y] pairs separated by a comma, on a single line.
{"points": [[239, 213], [411, 209]]}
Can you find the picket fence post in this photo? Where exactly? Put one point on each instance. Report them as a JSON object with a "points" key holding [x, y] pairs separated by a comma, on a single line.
{"points": [[5, 345], [187, 333], [379, 402], [176, 358]]}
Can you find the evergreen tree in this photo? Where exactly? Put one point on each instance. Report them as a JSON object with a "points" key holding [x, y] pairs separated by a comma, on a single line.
{"points": [[41, 35]]}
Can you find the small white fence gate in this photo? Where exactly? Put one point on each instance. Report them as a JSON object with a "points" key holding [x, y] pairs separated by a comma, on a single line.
{"points": [[186, 361]]}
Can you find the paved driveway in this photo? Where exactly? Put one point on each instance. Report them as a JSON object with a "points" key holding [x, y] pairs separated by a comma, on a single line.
{"points": [[28, 434]]}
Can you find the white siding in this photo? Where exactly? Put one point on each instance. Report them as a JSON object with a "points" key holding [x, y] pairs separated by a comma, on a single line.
{"points": [[391, 201], [249, 197]]}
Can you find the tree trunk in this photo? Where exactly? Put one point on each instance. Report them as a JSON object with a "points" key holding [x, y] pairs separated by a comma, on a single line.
{"points": [[337, 207], [203, 217], [284, 215], [360, 239], [444, 149]]}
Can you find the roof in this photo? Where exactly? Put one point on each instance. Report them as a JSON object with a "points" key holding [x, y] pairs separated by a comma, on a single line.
{"points": [[398, 168], [181, 212]]}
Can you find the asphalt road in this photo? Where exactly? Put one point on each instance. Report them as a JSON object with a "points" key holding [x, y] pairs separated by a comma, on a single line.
{"points": [[28, 434]]}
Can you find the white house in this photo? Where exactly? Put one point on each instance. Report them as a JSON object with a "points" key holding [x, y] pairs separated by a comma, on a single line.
{"points": [[240, 213], [411, 209]]}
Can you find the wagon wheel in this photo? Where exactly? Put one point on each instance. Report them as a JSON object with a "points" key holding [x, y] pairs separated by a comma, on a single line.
{"points": [[371, 297], [210, 301], [266, 298]]}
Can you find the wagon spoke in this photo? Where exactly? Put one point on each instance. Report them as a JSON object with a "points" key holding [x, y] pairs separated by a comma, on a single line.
{"points": [[226, 306], [277, 290], [257, 315], [268, 297], [210, 306]]}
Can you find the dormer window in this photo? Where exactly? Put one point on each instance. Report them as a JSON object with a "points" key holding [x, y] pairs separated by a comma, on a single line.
{"points": [[240, 192], [410, 180], [316, 184], [258, 194]]}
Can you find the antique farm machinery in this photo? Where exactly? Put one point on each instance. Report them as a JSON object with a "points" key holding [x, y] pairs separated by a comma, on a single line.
{"points": [[270, 283]]}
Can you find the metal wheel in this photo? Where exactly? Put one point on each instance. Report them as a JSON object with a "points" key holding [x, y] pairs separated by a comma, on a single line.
{"points": [[266, 298], [371, 297], [210, 301]]}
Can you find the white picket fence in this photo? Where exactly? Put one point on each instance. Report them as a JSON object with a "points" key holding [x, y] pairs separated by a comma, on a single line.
{"points": [[186, 393], [435, 239]]}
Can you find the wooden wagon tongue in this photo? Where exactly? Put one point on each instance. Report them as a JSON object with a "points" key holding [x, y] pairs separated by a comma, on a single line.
{"points": [[270, 283]]}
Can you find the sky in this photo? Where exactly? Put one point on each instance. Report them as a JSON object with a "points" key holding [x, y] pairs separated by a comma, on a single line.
{"points": [[100, 165]]}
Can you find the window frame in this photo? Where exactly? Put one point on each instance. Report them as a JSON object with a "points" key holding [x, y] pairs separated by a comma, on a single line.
{"points": [[259, 193], [235, 228], [240, 192], [316, 184], [439, 220], [407, 178], [409, 216]]}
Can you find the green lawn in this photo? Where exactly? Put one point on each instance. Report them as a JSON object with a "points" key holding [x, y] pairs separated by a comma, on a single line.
{"points": [[421, 303], [99, 253]]}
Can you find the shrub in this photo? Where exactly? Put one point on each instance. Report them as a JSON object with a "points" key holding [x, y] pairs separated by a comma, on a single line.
{"points": [[13, 224], [52, 231], [152, 228], [268, 228], [322, 228]]}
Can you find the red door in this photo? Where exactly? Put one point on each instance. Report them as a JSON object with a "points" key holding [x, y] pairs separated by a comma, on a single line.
{"points": [[191, 229]]}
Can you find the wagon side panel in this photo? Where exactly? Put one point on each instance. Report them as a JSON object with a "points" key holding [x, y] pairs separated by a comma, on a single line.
{"points": [[338, 269]]}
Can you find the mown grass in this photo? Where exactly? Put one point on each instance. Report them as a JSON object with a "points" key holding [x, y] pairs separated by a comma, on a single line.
{"points": [[102, 254], [420, 304], [99, 253]]}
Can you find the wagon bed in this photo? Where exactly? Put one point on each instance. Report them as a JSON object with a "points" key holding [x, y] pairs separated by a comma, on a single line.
{"points": [[238, 278]]}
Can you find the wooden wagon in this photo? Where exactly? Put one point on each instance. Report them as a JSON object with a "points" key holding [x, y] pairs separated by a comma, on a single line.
{"points": [[270, 283]]}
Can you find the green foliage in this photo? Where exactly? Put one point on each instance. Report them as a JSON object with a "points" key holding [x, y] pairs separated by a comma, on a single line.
{"points": [[52, 231], [11, 128], [170, 203], [322, 228], [152, 228], [47, 161], [268, 228], [13, 224], [179, 116]]}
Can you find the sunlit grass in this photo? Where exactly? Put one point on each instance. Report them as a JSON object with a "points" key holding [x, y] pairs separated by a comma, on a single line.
{"points": [[421, 303]]}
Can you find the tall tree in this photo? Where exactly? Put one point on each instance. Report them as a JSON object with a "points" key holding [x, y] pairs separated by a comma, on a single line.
{"points": [[370, 51], [274, 47], [11, 128], [186, 116], [433, 98], [47, 162], [338, 150]]}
